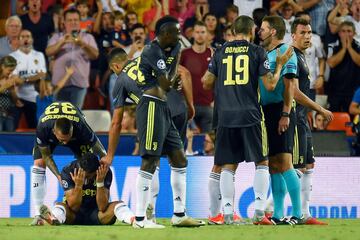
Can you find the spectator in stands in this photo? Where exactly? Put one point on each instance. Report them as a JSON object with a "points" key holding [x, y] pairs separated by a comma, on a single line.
{"points": [[57, 13], [318, 10], [315, 59], [8, 97], [128, 122], [131, 19], [182, 11], [214, 35], [31, 68], [112, 5], [72, 48], [201, 9], [138, 37], [228, 34], [159, 8], [119, 36], [232, 12], [251, 5], [334, 18], [86, 22], [287, 10], [344, 62], [209, 144], [355, 17], [48, 91], [196, 59], [39, 24], [10, 42], [321, 122]]}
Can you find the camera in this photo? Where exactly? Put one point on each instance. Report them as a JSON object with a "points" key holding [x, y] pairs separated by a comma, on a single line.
{"points": [[137, 38], [74, 33]]}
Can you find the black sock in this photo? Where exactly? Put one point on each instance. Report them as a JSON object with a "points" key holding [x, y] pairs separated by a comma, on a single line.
{"points": [[138, 219], [180, 214]]}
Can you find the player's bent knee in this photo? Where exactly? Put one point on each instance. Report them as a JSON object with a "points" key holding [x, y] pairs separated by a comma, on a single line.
{"points": [[40, 163], [216, 169], [148, 164], [177, 159]]}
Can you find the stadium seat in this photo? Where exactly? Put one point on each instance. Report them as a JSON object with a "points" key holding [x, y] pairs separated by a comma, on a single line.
{"points": [[339, 123], [98, 120]]}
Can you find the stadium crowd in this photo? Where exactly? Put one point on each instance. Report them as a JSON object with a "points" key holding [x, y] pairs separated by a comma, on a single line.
{"points": [[64, 57]]}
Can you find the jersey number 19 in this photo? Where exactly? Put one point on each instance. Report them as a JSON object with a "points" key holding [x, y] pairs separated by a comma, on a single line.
{"points": [[241, 70]]}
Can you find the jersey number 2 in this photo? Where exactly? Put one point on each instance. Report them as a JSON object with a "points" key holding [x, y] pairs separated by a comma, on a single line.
{"points": [[241, 70]]}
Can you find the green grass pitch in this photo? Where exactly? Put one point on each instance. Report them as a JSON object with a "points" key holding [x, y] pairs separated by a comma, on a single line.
{"points": [[338, 229]]}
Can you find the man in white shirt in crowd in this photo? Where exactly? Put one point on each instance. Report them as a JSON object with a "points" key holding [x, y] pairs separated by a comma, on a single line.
{"points": [[31, 67]]}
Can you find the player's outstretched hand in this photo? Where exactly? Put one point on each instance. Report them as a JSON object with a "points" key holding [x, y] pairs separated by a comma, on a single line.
{"points": [[327, 114], [105, 160], [282, 59], [101, 173], [78, 177]]}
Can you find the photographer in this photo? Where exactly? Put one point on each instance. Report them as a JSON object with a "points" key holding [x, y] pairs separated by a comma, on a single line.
{"points": [[75, 49], [138, 37]]}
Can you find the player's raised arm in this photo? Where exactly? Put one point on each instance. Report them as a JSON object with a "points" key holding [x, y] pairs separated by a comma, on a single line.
{"points": [[74, 195], [102, 193]]}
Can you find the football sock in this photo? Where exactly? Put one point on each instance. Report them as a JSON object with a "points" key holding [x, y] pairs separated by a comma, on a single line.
{"points": [[178, 185], [38, 187], [261, 187], [227, 190], [214, 194], [270, 204], [143, 184], [278, 186], [155, 188], [293, 186], [59, 212], [123, 213], [306, 189]]}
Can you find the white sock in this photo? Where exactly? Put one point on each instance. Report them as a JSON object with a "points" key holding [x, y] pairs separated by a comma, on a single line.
{"points": [[38, 187], [178, 185], [155, 186], [59, 212], [123, 213], [214, 194], [261, 187], [227, 190], [306, 189], [143, 184], [270, 204]]}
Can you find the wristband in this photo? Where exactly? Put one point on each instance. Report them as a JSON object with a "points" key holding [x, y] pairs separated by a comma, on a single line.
{"points": [[285, 114], [99, 184]]}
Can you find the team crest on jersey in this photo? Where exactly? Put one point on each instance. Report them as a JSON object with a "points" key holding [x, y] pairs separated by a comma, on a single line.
{"points": [[161, 64], [267, 64], [64, 183], [36, 61]]}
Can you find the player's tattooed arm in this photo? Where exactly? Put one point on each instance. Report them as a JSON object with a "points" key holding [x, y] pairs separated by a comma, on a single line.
{"points": [[99, 149], [271, 79], [208, 80], [50, 163]]}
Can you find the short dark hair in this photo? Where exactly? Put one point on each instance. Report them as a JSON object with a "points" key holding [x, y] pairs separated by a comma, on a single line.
{"points": [[163, 22], [136, 26], [299, 14], [297, 22], [117, 54], [8, 61], [199, 23], [277, 23], [348, 23], [258, 14], [89, 162], [232, 8], [71, 11], [243, 25], [64, 125]]}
